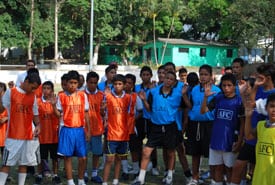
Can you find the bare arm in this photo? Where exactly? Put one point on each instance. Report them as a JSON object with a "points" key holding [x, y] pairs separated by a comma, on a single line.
{"points": [[142, 96], [207, 93]]}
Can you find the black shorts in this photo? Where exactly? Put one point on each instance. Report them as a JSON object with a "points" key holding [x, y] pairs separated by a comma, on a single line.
{"points": [[247, 153], [198, 138], [162, 136], [135, 143], [179, 137], [45, 149]]}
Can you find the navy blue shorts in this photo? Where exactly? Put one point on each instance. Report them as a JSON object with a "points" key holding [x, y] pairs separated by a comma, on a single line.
{"points": [[95, 145], [116, 147], [72, 142]]}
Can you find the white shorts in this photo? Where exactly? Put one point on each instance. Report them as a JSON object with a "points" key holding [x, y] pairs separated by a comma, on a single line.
{"points": [[217, 157], [21, 152]]}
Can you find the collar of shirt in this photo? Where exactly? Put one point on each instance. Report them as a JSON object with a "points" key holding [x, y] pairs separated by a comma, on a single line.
{"points": [[89, 92], [123, 94]]}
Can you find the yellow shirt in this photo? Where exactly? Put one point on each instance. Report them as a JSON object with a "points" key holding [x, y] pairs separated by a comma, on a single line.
{"points": [[264, 173]]}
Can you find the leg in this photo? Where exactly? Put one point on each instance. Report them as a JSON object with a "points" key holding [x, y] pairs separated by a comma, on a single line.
{"points": [[4, 174], [68, 167], [107, 167], [218, 173], [22, 173], [117, 166], [81, 167], [238, 171], [195, 166]]}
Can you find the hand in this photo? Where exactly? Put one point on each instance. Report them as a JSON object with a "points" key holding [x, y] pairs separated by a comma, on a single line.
{"points": [[3, 120], [107, 90], [236, 147], [207, 90], [260, 80], [53, 99], [37, 130], [88, 136], [184, 89], [243, 86], [142, 95]]}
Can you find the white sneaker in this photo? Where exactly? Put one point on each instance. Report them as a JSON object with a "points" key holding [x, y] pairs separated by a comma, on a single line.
{"points": [[193, 182], [168, 180], [155, 171]]}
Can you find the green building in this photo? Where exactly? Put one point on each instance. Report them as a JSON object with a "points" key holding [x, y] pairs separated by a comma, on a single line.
{"points": [[190, 53]]}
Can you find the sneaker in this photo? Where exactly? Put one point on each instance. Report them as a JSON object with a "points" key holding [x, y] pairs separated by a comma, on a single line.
{"points": [[168, 180], [193, 182], [56, 180], [38, 180], [86, 179], [97, 179], [155, 171], [205, 175], [164, 178], [47, 174], [125, 176], [133, 171], [137, 182]]}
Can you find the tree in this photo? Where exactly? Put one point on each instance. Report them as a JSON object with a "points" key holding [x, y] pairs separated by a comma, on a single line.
{"points": [[56, 11]]}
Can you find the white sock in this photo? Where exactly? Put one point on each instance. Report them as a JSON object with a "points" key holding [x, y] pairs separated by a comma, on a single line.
{"points": [[21, 178], [3, 178], [81, 181], [170, 173], [94, 172], [115, 181], [70, 182], [218, 183], [104, 183], [233, 183], [141, 176], [124, 164]]}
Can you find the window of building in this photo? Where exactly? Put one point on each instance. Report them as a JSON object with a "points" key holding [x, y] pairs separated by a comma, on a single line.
{"points": [[183, 50], [229, 53], [203, 52]]}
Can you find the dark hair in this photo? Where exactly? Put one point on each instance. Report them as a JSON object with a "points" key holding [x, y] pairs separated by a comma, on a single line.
{"points": [[267, 70], [228, 68], [229, 77], [170, 64], [33, 78], [207, 68], [73, 75], [49, 83], [33, 70], [146, 68], [270, 97], [109, 68], [172, 73], [64, 77], [192, 79], [4, 85], [183, 70], [30, 60], [92, 74], [132, 77], [238, 60], [161, 67], [119, 77]]}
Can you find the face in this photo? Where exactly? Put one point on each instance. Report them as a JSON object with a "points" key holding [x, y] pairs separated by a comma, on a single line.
{"points": [[228, 88], [110, 75], [64, 85], [29, 87], [1, 89], [47, 90], [129, 85], [270, 108], [161, 75], [118, 86], [81, 81], [92, 84], [72, 85], [237, 68], [146, 76], [30, 65], [183, 77], [205, 76], [228, 71], [169, 80]]}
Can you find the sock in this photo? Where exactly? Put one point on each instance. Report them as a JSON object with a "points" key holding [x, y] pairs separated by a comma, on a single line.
{"points": [[21, 178], [141, 176], [86, 173], [124, 164], [135, 166], [55, 175], [104, 183], [94, 172], [70, 182], [233, 183], [3, 178], [115, 181], [218, 183], [188, 173], [39, 175], [81, 181], [170, 173]]}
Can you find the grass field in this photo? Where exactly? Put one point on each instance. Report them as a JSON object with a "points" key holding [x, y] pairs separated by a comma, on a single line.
{"points": [[179, 178]]}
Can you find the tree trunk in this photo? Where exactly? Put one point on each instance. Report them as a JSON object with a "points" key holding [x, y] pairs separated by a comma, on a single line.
{"points": [[154, 37], [31, 31], [273, 49], [95, 59], [168, 36], [56, 11]]}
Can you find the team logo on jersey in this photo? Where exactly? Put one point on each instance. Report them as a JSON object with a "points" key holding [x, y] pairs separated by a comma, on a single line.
{"points": [[25, 109], [266, 148], [225, 114]]}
